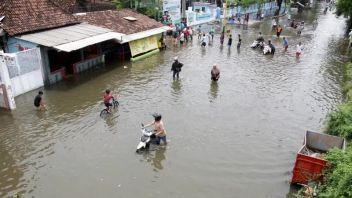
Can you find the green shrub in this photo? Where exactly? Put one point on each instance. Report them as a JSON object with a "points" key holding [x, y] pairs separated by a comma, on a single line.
{"points": [[121, 3], [151, 12], [347, 87], [338, 175], [340, 122]]}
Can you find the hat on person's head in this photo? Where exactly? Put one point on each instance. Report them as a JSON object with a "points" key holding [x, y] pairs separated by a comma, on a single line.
{"points": [[175, 58]]}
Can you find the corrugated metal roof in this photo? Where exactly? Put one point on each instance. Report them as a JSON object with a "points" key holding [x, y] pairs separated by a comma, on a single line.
{"points": [[71, 37], [81, 35], [89, 41], [144, 34]]}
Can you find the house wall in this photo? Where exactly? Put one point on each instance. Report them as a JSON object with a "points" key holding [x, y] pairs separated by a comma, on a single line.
{"points": [[25, 70], [15, 45], [212, 13], [6, 95]]}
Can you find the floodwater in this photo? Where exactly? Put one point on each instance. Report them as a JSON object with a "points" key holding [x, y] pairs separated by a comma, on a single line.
{"points": [[234, 138]]}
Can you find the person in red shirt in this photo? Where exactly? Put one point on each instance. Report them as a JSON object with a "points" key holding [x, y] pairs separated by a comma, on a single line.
{"points": [[107, 98], [278, 31], [187, 34]]}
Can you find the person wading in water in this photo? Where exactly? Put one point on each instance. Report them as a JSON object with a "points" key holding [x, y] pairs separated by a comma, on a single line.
{"points": [[215, 73], [176, 68], [39, 102]]}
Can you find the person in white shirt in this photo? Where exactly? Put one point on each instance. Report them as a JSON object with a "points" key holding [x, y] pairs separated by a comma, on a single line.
{"points": [[299, 49], [182, 38]]}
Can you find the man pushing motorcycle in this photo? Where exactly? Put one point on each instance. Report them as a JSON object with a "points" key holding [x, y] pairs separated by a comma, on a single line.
{"points": [[159, 128]]}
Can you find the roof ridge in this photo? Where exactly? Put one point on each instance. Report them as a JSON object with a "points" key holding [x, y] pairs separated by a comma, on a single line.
{"points": [[23, 16]]}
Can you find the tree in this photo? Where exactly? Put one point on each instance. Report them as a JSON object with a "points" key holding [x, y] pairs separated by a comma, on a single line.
{"points": [[344, 7], [278, 2], [122, 3]]}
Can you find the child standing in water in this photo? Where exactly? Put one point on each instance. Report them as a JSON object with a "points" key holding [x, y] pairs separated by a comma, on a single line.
{"points": [[239, 41], [299, 49], [222, 38], [229, 42]]}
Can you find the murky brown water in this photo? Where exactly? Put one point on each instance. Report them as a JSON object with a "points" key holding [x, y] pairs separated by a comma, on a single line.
{"points": [[236, 138]]}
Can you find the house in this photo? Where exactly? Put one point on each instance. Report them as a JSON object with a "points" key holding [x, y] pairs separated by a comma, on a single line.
{"points": [[45, 41], [73, 42], [140, 33]]}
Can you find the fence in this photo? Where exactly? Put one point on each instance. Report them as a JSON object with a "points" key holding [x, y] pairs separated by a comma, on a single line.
{"points": [[88, 64], [20, 72], [212, 13]]}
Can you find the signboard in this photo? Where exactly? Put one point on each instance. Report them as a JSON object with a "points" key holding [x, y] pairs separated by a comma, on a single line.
{"points": [[143, 45], [173, 9]]}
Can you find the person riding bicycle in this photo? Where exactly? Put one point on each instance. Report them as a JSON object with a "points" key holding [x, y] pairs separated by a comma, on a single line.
{"points": [[107, 98], [159, 128]]}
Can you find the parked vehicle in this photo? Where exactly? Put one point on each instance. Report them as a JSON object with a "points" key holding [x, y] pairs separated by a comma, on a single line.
{"points": [[266, 50], [257, 44], [310, 162]]}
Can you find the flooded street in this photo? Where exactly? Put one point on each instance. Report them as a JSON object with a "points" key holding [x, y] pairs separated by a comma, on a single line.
{"points": [[234, 138]]}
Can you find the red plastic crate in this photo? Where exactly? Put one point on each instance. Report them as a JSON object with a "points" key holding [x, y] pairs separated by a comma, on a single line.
{"points": [[309, 168]]}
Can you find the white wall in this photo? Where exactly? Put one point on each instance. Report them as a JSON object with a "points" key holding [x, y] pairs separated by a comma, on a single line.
{"points": [[26, 82], [19, 73], [25, 70], [6, 86]]}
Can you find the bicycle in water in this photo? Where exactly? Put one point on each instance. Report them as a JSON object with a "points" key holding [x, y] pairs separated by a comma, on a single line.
{"points": [[106, 111]]}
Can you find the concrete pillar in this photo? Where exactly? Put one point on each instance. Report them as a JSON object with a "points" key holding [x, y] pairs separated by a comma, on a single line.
{"points": [[82, 54], [45, 65], [183, 8]]}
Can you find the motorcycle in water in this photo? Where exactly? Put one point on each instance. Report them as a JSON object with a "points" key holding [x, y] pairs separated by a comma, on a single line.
{"points": [[257, 44], [148, 137], [266, 50]]}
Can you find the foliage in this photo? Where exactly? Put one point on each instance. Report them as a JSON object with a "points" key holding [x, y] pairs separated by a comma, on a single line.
{"points": [[122, 3], [347, 88], [247, 3], [344, 7], [338, 175], [340, 122], [151, 12]]}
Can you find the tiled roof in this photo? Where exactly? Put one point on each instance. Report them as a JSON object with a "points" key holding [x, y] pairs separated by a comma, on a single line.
{"points": [[113, 19], [22, 16]]}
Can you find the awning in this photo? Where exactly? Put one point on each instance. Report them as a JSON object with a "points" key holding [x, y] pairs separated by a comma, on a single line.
{"points": [[144, 34], [73, 37], [88, 41]]}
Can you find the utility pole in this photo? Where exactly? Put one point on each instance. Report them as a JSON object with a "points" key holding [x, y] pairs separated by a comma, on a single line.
{"points": [[183, 6], [225, 16]]}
